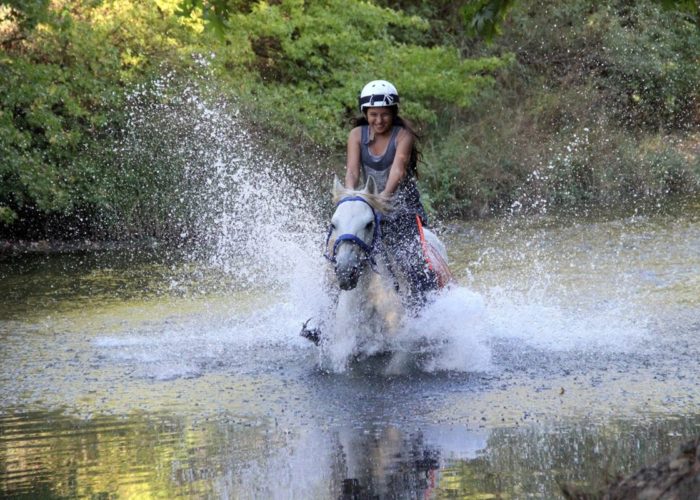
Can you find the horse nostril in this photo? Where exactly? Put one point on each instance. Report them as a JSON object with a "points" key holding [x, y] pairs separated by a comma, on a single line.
{"points": [[352, 272]]}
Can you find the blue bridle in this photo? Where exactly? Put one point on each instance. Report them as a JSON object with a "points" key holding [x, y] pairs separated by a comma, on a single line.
{"points": [[368, 249]]}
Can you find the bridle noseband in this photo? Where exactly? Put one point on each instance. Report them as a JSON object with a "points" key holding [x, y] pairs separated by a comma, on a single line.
{"points": [[369, 249]]}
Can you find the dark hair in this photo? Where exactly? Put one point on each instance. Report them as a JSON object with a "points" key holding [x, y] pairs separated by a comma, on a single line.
{"points": [[416, 155]]}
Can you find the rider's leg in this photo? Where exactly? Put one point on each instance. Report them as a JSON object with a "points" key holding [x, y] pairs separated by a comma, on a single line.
{"points": [[403, 243]]}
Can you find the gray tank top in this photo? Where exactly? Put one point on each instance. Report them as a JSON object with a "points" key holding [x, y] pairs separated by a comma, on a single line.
{"points": [[377, 167], [407, 197]]}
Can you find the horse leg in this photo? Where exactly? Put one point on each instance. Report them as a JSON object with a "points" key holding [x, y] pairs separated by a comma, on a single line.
{"points": [[312, 334], [315, 334]]}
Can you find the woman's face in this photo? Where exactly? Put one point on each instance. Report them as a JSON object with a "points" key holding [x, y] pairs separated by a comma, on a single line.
{"points": [[380, 119]]}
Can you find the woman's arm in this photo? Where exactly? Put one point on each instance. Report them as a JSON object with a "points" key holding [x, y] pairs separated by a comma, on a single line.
{"points": [[404, 144], [352, 167]]}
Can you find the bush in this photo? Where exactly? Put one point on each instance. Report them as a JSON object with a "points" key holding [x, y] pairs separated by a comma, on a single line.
{"points": [[65, 71], [578, 102], [596, 109], [312, 58]]}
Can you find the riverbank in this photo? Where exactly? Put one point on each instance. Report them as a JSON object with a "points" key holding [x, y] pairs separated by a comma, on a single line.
{"points": [[45, 246]]}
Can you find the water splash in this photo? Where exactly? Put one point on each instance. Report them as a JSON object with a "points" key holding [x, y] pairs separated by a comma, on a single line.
{"points": [[260, 222], [568, 292], [547, 323], [449, 333]]}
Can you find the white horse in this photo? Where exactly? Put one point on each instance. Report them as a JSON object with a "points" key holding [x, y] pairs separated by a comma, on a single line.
{"points": [[369, 309]]}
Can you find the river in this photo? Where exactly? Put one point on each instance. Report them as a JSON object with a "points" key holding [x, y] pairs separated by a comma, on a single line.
{"points": [[573, 356]]}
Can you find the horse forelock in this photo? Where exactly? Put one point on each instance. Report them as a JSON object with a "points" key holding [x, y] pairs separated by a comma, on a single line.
{"points": [[378, 203]]}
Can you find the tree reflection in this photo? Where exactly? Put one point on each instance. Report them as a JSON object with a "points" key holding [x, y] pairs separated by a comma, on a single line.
{"points": [[51, 455], [48, 454]]}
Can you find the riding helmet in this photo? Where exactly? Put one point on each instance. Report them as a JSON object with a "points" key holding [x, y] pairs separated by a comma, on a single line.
{"points": [[378, 94]]}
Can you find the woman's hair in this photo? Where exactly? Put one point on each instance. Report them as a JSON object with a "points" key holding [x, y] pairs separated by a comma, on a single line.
{"points": [[396, 120]]}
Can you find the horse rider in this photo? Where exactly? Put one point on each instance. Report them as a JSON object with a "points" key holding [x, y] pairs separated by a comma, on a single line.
{"points": [[382, 145]]}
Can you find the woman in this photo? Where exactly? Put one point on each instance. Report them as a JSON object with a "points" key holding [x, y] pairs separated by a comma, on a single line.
{"points": [[382, 146]]}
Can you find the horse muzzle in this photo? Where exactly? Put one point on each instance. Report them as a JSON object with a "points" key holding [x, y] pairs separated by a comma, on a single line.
{"points": [[347, 276]]}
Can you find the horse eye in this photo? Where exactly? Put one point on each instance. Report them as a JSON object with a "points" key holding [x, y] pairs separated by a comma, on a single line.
{"points": [[369, 225]]}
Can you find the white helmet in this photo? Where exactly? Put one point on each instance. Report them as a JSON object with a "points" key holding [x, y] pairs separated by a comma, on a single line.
{"points": [[378, 94]]}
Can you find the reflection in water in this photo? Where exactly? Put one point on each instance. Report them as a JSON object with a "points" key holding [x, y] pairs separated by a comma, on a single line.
{"points": [[54, 456], [37, 286], [384, 462], [141, 455]]}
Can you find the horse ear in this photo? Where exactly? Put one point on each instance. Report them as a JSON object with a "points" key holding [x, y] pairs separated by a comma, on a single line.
{"points": [[371, 186], [337, 185]]}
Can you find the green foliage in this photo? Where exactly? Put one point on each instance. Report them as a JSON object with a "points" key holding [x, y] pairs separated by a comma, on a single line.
{"points": [[63, 81], [475, 162], [652, 64], [687, 6], [500, 121], [485, 17], [23, 14], [215, 13], [643, 60], [623, 76], [311, 59], [293, 67]]}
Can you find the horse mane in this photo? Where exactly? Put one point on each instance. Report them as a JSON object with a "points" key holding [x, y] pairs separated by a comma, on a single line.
{"points": [[378, 203]]}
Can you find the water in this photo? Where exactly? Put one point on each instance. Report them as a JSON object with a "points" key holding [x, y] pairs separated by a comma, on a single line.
{"points": [[146, 374], [566, 351]]}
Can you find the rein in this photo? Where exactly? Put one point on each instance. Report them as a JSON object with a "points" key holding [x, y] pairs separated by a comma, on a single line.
{"points": [[368, 249]]}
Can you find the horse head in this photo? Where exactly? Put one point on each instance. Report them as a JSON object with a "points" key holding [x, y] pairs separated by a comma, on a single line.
{"points": [[354, 234]]}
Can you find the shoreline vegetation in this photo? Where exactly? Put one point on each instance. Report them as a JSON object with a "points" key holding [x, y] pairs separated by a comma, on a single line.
{"points": [[56, 246], [79, 244], [571, 106]]}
